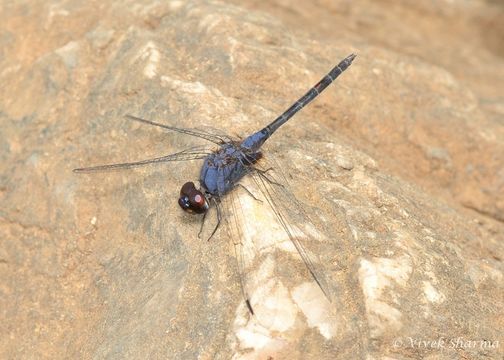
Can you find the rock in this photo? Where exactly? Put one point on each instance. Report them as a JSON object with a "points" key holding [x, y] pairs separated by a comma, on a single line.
{"points": [[397, 164]]}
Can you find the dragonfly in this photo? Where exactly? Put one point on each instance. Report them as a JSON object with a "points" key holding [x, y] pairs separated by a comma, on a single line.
{"points": [[225, 165]]}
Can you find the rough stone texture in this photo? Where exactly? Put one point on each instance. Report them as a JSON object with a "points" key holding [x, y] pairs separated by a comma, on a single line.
{"points": [[401, 161]]}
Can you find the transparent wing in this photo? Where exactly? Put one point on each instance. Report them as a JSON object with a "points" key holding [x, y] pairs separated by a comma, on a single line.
{"points": [[290, 213], [245, 252], [194, 153], [212, 137], [269, 227]]}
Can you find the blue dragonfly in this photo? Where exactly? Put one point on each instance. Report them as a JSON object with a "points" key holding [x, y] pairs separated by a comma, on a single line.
{"points": [[225, 165]]}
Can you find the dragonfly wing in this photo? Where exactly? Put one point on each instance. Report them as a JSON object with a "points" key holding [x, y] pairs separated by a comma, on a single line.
{"points": [[215, 138], [292, 217], [254, 250], [244, 250], [265, 238], [194, 153]]}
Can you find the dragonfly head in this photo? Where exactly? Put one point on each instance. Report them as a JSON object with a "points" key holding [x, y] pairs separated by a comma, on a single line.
{"points": [[192, 200]]}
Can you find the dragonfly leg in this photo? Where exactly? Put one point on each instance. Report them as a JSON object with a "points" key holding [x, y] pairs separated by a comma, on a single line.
{"points": [[248, 191], [202, 224], [264, 174], [264, 171], [247, 301], [219, 218]]}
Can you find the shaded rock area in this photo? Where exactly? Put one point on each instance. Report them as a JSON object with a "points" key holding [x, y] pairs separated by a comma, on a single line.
{"points": [[400, 162]]}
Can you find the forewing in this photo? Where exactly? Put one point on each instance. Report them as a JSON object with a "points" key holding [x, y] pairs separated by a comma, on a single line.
{"points": [[194, 153], [238, 229], [216, 138]]}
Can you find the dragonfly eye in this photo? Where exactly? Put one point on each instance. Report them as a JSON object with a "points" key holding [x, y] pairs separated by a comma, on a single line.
{"points": [[192, 200]]}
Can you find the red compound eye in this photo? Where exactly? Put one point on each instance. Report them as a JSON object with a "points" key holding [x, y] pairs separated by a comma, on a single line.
{"points": [[192, 200]]}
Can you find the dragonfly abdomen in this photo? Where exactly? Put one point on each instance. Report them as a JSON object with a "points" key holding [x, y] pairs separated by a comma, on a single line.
{"points": [[255, 141]]}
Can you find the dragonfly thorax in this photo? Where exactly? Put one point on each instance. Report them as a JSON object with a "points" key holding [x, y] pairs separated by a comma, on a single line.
{"points": [[222, 169]]}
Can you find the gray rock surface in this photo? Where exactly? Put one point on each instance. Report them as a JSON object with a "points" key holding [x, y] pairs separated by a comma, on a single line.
{"points": [[399, 162]]}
